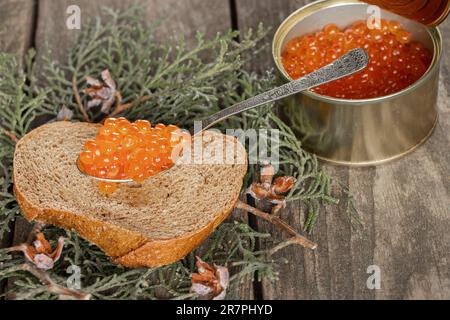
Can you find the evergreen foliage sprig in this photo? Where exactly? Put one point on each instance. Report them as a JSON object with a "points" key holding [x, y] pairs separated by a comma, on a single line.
{"points": [[233, 244], [181, 83], [19, 107]]}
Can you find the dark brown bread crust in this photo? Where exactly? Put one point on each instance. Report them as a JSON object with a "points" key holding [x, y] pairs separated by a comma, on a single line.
{"points": [[124, 247]]}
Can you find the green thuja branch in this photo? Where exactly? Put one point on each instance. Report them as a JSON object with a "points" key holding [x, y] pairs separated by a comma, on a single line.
{"points": [[179, 82], [19, 104], [19, 107], [233, 244]]}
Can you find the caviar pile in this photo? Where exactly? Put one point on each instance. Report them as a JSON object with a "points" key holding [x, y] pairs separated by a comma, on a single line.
{"points": [[124, 150], [395, 63]]}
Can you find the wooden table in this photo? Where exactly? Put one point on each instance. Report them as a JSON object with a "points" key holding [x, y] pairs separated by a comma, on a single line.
{"points": [[404, 205]]}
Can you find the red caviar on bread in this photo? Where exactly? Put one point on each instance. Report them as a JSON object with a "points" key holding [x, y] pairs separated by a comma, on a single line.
{"points": [[123, 150]]}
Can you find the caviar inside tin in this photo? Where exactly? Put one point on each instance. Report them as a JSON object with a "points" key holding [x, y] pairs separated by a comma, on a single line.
{"points": [[395, 61]]}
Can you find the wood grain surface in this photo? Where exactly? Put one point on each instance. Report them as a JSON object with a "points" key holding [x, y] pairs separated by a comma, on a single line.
{"points": [[182, 18], [17, 18], [269, 13], [16, 37], [404, 205]]}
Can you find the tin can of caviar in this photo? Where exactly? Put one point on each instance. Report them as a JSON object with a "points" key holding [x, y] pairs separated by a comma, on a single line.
{"points": [[365, 131]]}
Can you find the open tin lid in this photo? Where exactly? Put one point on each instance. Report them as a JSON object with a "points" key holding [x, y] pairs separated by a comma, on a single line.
{"points": [[428, 12]]}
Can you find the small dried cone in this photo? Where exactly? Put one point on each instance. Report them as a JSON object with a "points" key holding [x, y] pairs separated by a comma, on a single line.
{"points": [[102, 93], [273, 192], [210, 282], [40, 253]]}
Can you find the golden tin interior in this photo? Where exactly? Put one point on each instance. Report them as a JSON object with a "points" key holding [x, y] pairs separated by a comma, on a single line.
{"points": [[360, 132]]}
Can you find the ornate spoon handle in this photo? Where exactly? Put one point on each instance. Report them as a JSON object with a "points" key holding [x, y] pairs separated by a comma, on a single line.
{"points": [[350, 63]]}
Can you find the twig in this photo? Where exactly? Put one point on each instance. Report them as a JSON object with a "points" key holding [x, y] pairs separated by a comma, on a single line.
{"points": [[283, 244], [52, 286], [297, 238], [76, 93], [122, 107], [20, 247], [118, 97]]}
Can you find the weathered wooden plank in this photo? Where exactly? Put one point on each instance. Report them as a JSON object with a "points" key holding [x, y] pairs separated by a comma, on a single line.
{"points": [[183, 18], [16, 24], [323, 273], [270, 13], [245, 290], [16, 33], [404, 206]]}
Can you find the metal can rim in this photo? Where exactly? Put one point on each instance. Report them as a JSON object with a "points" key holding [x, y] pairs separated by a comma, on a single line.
{"points": [[285, 26]]}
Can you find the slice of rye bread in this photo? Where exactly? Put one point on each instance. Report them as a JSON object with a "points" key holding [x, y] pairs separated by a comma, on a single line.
{"points": [[152, 225]]}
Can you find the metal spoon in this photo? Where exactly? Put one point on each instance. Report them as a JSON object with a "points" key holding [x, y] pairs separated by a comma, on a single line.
{"points": [[348, 64]]}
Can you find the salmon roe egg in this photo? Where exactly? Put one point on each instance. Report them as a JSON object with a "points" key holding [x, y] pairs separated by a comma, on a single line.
{"points": [[125, 150], [395, 60]]}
